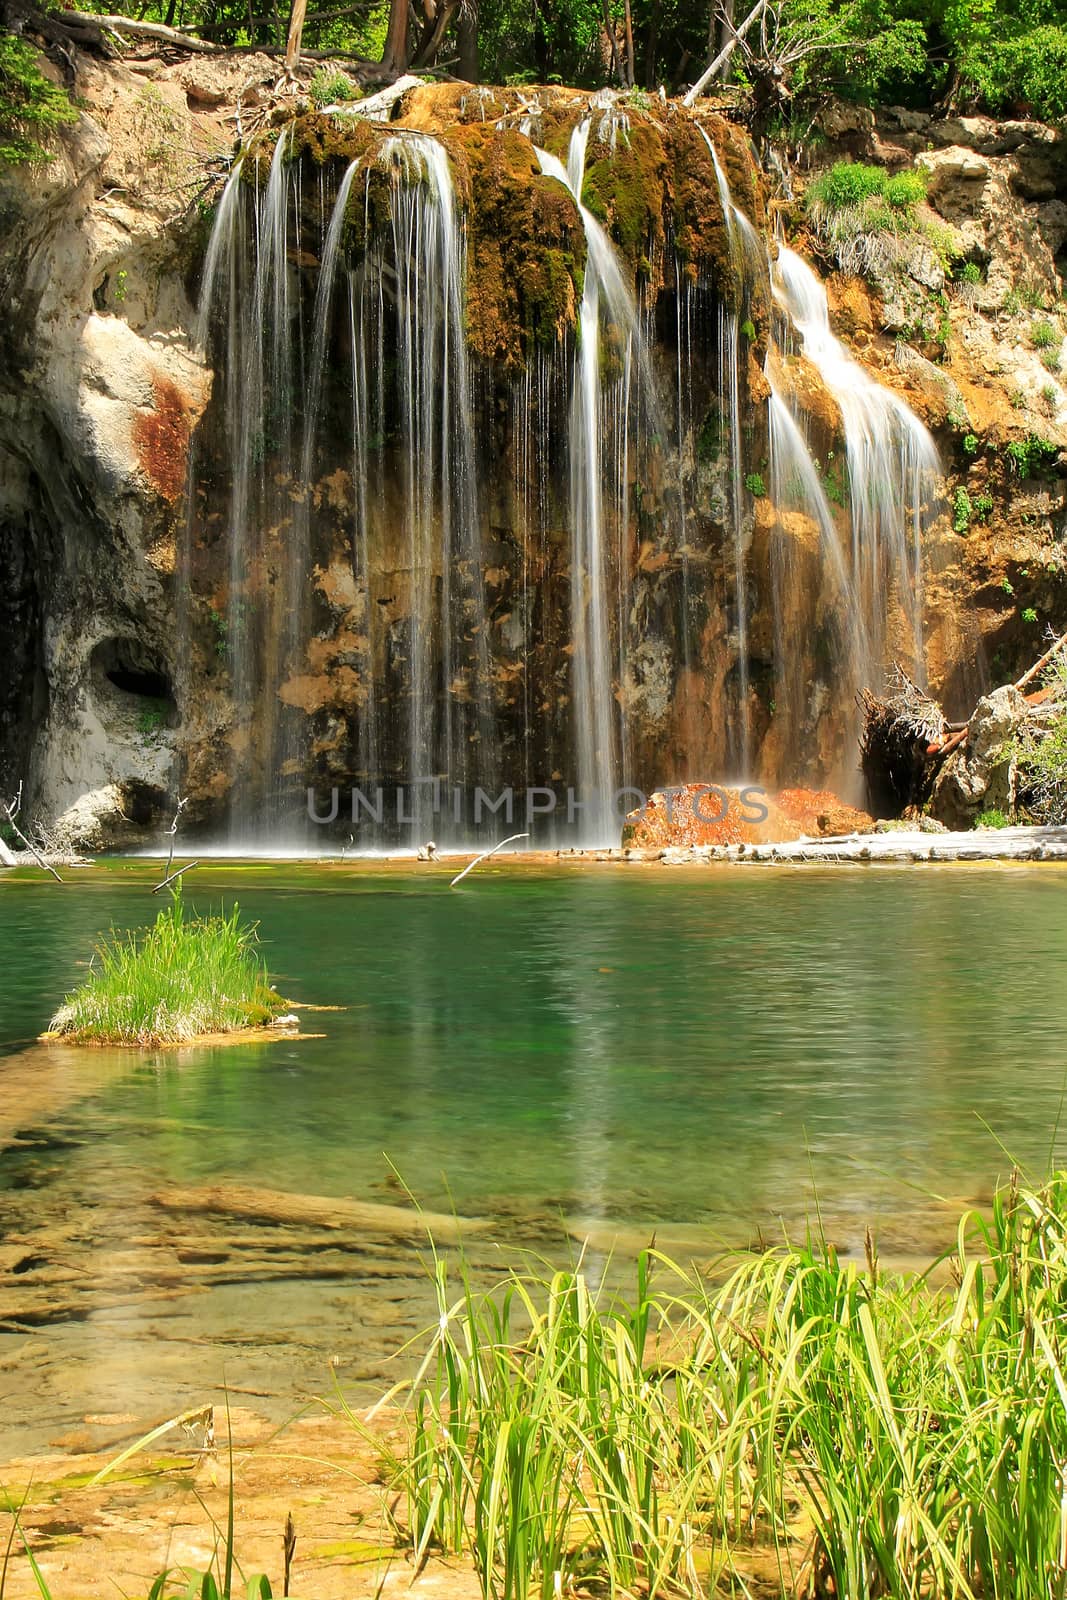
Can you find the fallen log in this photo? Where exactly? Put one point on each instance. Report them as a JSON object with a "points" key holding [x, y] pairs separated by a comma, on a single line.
{"points": [[146, 30], [1039, 666], [275, 1206], [984, 844]]}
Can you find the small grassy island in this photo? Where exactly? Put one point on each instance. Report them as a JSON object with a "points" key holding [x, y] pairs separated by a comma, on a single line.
{"points": [[182, 979]]}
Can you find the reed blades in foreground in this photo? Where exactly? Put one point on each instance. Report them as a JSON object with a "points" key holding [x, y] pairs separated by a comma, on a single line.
{"points": [[863, 1435]]}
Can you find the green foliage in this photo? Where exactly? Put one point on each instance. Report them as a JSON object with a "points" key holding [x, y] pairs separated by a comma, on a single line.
{"points": [[755, 485], [331, 88], [835, 480], [1028, 614], [1007, 585], [848, 183], [961, 511], [31, 106], [971, 444], [152, 719], [181, 978], [571, 1440], [1044, 335], [748, 330], [853, 183], [1042, 753], [1050, 399], [991, 55], [904, 190], [970, 273], [869, 219], [222, 631], [982, 505], [1029, 456], [992, 819]]}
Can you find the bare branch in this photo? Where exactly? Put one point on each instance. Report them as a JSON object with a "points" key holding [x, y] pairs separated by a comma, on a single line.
{"points": [[11, 810], [173, 875]]}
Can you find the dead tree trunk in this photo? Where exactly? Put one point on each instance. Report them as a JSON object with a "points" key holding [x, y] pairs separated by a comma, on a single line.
{"points": [[467, 42], [395, 55], [296, 34]]}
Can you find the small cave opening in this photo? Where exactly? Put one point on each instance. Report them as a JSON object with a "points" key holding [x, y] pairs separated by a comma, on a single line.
{"points": [[137, 673]]}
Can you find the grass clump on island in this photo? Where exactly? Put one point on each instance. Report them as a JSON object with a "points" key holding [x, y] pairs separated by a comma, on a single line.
{"points": [[184, 977], [803, 1427]]}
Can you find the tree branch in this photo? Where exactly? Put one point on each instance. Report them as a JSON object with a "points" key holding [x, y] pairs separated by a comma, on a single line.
{"points": [[724, 54]]}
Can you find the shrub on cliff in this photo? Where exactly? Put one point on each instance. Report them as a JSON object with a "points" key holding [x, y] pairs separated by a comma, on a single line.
{"points": [[868, 218], [1042, 754], [31, 106], [877, 199], [182, 978]]}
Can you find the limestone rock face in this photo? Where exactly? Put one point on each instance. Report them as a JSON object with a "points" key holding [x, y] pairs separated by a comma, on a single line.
{"points": [[979, 775], [99, 393], [977, 194]]}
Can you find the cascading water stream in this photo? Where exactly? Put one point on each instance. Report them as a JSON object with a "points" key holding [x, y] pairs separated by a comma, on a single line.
{"points": [[893, 472], [740, 234], [599, 741], [893, 467]]}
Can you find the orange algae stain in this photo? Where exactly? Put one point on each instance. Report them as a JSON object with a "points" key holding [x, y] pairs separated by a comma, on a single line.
{"points": [[161, 439]]}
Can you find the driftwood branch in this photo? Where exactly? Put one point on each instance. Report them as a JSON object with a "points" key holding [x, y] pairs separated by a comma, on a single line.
{"points": [[11, 811], [173, 830], [485, 855], [173, 875], [725, 53], [1039, 666], [147, 30]]}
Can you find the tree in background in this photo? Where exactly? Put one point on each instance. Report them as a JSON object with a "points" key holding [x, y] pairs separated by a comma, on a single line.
{"points": [[999, 56]]}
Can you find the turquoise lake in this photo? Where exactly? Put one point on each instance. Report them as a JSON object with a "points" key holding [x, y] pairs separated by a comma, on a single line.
{"points": [[710, 1054]]}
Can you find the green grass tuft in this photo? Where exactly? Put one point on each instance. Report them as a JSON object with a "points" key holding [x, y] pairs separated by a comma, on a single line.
{"points": [[183, 977]]}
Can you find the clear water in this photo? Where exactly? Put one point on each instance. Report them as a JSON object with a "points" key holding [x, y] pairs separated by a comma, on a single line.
{"points": [[702, 1052]]}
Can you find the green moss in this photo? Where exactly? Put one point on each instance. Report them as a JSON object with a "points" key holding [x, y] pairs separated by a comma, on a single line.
{"points": [[624, 189], [324, 139], [699, 229], [526, 249]]}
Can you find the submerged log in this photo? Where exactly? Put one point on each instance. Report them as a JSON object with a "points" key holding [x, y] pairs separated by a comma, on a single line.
{"points": [[275, 1206]]}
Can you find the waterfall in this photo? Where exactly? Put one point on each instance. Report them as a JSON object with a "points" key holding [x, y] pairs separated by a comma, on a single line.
{"points": [[747, 257], [429, 575], [440, 494], [893, 471], [892, 466], [600, 422]]}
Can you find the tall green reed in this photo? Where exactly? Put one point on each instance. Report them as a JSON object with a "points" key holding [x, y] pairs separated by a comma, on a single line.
{"points": [[878, 1435]]}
